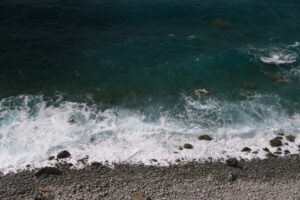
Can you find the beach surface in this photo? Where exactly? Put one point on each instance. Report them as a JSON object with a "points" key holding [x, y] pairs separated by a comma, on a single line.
{"points": [[273, 178]]}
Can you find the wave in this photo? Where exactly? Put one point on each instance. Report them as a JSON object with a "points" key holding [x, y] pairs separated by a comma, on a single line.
{"points": [[279, 58], [32, 129]]}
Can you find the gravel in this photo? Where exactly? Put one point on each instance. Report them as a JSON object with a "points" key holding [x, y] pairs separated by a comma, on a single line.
{"points": [[273, 178]]}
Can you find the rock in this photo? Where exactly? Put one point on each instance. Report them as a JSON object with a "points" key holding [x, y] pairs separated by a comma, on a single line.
{"points": [[63, 154], [203, 92], [270, 155], [255, 152], [232, 162], [178, 160], [180, 148], [205, 137], [290, 138], [72, 121], [278, 149], [96, 164], [220, 23], [51, 157], [250, 86], [187, 146], [266, 149], [246, 149], [46, 171], [278, 137], [286, 152], [278, 152], [139, 196], [281, 134], [231, 177], [275, 142], [153, 160]]}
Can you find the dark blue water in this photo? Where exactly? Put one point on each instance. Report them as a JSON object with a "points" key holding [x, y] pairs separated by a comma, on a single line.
{"points": [[149, 57]]}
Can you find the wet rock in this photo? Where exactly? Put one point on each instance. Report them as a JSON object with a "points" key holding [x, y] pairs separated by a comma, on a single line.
{"points": [[46, 171], [72, 121], [51, 157], [139, 196], [153, 160], [250, 86], [270, 155], [96, 164], [204, 92], [286, 152], [278, 152], [178, 160], [278, 149], [180, 148], [275, 142], [232, 162], [280, 134], [246, 149], [205, 137], [266, 149], [290, 138], [63, 154], [187, 146], [255, 152], [221, 23], [231, 177], [278, 137]]}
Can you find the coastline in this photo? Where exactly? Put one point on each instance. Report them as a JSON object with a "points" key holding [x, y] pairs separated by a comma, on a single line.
{"points": [[272, 178]]}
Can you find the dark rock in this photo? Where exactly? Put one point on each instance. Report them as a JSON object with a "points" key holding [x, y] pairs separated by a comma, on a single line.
{"points": [[72, 121], [178, 160], [270, 155], [153, 160], [266, 149], [232, 162], [286, 152], [278, 152], [205, 137], [279, 138], [187, 146], [280, 134], [290, 138], [220, 23], [231, 177], [278, 149], [28, 166], [255, 152], [180, 148], [63, 154], [275, 142], [96, 164], [139, 196], [46, 171], [250, 86], [246, 149], [51, 157]]}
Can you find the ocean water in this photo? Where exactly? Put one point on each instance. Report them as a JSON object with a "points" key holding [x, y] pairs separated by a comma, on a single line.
{"points": [[129, 72]]}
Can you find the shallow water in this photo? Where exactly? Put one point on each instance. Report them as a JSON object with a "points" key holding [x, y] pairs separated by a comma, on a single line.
{"points": [[127, 72]]}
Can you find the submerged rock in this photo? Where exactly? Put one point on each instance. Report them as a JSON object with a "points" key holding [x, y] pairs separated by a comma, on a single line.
{"points": [[205, 137], [246, 149], [250, 86], [284, 80], [232, 162], [63, 154], [203, 92], [290, 138], [221, 23], [187, 146], [275, 142], [46, 171]]}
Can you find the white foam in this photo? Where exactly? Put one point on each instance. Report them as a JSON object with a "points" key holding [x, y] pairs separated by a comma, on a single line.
{"points": [[297, 44], [32, 129], [279, 58]]}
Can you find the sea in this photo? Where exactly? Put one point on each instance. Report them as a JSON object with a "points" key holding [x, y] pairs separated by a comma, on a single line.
{"points": [[132, 81]]}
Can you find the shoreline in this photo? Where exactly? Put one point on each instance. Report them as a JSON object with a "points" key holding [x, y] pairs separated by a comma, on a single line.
{"points": [[272, 178]]}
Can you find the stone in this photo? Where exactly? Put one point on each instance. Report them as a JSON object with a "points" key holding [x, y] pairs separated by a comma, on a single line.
{"points": [[275, 142], [266, 149], [231, 177], [278, 149], [153, 160], [278, 152], [250, 86], [246, 149], [221, 23], [46, 171], [232, 162], [286, 152], [255, 152], [96, 164], [205, 137], [51, 157], [187, 146], [180, 148], [63, 154], [178, 160], [139, 196], [290, 138], [72, 121], [204, 92]]}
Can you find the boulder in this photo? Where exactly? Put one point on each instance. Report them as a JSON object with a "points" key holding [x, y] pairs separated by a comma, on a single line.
{"points": [[290, 138], [187, 146], [46, 171], [232, 162], [246, 149], [205, 137], [63, 154], [276, 142]]}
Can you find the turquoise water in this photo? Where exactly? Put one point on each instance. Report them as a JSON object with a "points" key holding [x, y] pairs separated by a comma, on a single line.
{"points": [[141, 61]]}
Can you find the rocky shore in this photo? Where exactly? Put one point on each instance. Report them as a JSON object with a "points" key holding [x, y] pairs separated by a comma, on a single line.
{"points": [[272, 178]]}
